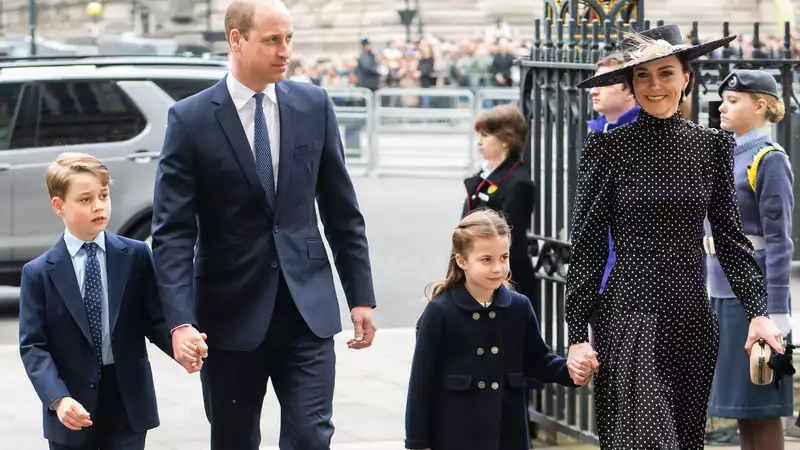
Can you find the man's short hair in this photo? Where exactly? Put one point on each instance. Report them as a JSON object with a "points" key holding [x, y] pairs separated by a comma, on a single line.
{"points": [[61, 171], [612, 61], [239, 16]]}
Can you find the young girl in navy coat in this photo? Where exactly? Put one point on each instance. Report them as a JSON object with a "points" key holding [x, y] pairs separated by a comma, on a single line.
{"points": [[477, 342]]}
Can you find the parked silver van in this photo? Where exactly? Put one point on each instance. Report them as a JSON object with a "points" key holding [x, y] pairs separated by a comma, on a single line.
{"points": [[114, 108]]}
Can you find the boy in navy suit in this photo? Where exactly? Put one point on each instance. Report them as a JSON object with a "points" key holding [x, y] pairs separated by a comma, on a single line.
{"points": [[85, 307]]}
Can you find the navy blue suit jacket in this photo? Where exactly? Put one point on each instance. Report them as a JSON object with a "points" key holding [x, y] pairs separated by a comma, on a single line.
{"points": [[56, 343], [210, 206]]}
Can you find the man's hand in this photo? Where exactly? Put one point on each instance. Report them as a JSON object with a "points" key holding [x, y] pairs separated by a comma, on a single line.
{"points": [[72, 414], [364, 327], [189, 348]]}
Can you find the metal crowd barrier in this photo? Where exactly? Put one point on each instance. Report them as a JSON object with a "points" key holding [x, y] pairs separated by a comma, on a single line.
{"points": [[355, 113], [412, 132]]}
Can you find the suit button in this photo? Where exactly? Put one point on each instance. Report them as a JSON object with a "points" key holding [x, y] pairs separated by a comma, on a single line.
{"points": [[492, 314], [92, 385], [476, 316], [276, 229], [495, 350], [480, 351], [495, 386], [274, 264], [481, 385]]}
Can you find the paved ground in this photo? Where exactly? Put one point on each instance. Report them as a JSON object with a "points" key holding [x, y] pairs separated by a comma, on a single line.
{"points": [[408, 224]]}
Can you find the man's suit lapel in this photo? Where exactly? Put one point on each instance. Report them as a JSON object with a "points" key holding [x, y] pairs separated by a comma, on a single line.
{"points": [[63, 275], [117, 267], [286, 162], [228, 118]]}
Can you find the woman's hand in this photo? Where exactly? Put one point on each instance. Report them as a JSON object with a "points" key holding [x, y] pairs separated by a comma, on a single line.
{"points": [[761, 327], [581, 363]]}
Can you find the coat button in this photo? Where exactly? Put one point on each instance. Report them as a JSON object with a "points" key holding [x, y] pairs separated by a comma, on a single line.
{"points": [[476, 316], [274, 264], [480, 351], [495, 386], [92, 385], [492, 314], [276, 229], [481, 385], [495, 350]]}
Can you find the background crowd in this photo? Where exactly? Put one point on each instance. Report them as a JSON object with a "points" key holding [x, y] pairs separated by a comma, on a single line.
{"points": [[485, 60]]}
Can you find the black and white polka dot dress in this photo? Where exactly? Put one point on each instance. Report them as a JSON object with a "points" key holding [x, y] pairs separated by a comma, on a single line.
{"points": [[653, 182]]}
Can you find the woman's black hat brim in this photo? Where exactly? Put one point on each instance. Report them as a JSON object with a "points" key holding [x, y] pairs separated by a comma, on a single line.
{"points": [[620, 74]]}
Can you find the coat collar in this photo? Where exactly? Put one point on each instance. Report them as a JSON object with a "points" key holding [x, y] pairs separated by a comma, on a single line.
{"points": [[497, 176], [118, 263], [464, 300], [62, 273], [241, 94]]}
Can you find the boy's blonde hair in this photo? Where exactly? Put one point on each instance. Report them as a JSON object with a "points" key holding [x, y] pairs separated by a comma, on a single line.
{"points": [[480, 224], [61, 171]]}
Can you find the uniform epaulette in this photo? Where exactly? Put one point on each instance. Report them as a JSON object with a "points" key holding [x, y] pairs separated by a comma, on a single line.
{"points": [[752, 169]]}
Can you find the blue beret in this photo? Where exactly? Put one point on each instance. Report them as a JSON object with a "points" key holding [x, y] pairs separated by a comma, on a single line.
{"points": [[755, 81]]}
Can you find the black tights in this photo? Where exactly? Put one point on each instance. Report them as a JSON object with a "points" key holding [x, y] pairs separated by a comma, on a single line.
{"points": [[761, 434]]}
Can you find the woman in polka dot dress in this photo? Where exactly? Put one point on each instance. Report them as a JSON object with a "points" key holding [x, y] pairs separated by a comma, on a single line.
{"points": [[654, 182]]}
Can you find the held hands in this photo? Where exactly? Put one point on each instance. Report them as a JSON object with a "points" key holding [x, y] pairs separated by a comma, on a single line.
{"points": [[72, 414], [364, 328], [763, 328], [582, 362], [189, 348]]}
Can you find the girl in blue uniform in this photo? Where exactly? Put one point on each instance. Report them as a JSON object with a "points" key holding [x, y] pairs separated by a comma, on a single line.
{"points": [[477, 342], [763, 180]]}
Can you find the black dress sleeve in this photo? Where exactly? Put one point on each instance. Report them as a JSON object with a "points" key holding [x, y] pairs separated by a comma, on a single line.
{"points": [[734, 250], [589, 234]]}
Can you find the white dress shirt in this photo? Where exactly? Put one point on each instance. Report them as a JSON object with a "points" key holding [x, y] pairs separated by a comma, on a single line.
{"points": [[245, 104], [78, 255]]}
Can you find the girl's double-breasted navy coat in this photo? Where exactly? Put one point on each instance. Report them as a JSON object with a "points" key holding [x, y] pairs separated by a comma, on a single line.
{"points": [[467, 385]]}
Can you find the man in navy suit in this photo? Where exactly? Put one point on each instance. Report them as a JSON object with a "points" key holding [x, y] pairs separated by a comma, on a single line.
{"points": [[86, 306], [237, 247]]}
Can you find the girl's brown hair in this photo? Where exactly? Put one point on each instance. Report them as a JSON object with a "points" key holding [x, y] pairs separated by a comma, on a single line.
{"points": [[507, 124], [479, 224]]}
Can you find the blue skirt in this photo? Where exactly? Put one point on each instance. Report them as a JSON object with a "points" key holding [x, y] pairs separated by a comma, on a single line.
{"points": [[733, 395]]}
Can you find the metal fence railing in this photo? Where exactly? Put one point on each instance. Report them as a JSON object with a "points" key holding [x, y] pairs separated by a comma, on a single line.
{"points": [[412, 132]]}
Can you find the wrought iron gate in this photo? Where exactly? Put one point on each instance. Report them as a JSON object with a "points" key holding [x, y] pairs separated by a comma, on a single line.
{"points": [[564, 54]]}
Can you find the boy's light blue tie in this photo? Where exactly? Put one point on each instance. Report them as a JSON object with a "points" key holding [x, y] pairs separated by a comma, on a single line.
{"points": [[92, 294], [263, 152]]}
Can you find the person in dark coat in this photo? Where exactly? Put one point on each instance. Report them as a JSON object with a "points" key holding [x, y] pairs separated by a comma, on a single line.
{"points": [[504, 184], [763, 180], [369, 75], [477, 341]]}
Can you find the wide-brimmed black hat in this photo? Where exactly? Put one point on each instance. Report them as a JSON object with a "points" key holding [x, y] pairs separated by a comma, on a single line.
{"points": [[649, 45]]}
